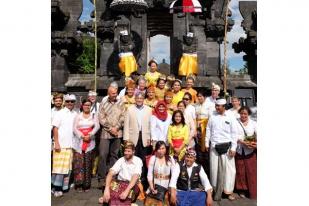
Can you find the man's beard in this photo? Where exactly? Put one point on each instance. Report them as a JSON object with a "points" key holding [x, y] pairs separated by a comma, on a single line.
{"points": [[128, 157]]}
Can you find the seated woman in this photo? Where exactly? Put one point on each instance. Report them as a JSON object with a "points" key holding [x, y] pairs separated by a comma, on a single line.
{"points": [[150, 100], [189, 183], [160, 168], [190, 122], [152, 75], [123, 190], [85, 127], [245, 159], [178, 135]]}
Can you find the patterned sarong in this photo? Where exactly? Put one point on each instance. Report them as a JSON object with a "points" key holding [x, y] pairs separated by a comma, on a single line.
{"points": [[62, 161], [191, 198], [116, 188], [82, 169], [201, 139]]}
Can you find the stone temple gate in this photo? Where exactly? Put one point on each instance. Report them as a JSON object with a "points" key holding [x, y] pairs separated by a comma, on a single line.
{"points": [[207, 26]]}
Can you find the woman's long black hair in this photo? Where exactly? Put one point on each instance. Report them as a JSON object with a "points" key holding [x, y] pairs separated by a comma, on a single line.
{"points": [[157, 147], [182, 118]]}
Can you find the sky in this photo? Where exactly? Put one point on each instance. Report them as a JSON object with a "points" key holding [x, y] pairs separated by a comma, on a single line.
{"points": [[159, 45]]}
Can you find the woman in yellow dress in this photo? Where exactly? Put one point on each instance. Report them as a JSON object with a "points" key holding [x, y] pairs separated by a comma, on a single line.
{"points": [[189, 87], [152, 75], [178, 94], [178, 135], [150, 100], [168, 97], [129, 99], [160, 88]]}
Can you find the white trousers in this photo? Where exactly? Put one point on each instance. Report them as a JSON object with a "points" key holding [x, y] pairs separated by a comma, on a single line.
{"points": [[230, 170]]}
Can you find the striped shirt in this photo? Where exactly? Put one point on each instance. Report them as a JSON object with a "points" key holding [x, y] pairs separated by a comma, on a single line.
{"points": [[111, 114]]}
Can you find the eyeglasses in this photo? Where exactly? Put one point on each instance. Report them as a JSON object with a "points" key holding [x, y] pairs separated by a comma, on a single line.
{"points": [[185, 99], [70, 101]]}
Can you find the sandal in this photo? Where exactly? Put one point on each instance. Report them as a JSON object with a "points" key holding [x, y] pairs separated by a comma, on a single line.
{"points": [[231, 197], [242, 195], [101, 201]]}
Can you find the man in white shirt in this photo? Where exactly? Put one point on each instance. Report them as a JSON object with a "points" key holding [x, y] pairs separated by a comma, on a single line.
{"points": [[221, 141], [210, 101], [63, 154], [128, 168], [58, 101], [189, 183], [236, 107]]}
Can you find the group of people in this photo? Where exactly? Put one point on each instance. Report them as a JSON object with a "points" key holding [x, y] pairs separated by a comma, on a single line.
{"points": [[155, 142]]}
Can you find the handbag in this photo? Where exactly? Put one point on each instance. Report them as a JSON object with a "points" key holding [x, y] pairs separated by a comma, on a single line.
{"points": [[160, 189], [222, 148]]}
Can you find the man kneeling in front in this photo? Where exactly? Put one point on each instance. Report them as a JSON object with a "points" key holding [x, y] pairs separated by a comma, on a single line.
{"points": [[123, 189], [189, 183]]}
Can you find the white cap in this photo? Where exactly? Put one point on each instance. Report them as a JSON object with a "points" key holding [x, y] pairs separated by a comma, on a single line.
{"points": [[215, 87], [92, 93], [220, 101], [190, 34], [124, 32], [71, 97]]}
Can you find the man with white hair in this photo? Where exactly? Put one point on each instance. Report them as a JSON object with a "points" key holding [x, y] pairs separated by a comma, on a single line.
{"points": [[221, 142], [210, 101], [62, 154], [111, 85], [111, 117]]}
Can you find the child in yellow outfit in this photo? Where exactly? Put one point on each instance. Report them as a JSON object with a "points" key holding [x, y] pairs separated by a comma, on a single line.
{"points": [[178, 135]]}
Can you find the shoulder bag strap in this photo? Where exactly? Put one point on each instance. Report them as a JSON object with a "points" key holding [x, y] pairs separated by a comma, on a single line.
{"points": [[242, 127]]}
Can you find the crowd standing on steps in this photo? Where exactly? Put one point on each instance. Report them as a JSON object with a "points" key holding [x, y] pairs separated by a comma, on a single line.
{"points": [[155, 142]]}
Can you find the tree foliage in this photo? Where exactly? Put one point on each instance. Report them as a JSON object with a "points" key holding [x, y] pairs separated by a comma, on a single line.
{"points": [[85, 61]]}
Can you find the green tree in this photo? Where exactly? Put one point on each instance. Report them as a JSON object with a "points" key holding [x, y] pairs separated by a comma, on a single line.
{"points": [[85, 61]]}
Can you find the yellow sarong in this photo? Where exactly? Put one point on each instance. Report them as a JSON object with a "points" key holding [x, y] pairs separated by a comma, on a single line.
{"points": [[127, 64], [188, 64], [201, 140], [62, 161]]}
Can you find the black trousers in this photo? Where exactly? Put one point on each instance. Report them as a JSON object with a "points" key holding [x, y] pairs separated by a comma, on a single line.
{"points": [[108, 148], [141, 152]]}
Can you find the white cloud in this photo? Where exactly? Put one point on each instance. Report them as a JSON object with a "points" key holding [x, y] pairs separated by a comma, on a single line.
{"points": [[160, 48]]}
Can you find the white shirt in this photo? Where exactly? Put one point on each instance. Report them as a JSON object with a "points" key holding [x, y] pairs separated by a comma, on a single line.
{"points": [[126, 170], [201, 110], [234, 112], [159, 128], [54, 111], [93, 109], [190, 111], [250, 129], [220, 129], [64, 120], [210, 104], [202, 174], [139, 116], [122, 93]]}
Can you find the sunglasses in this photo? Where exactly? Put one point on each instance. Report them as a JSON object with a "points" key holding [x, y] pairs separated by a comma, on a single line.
{"points": [[70, 101]]}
